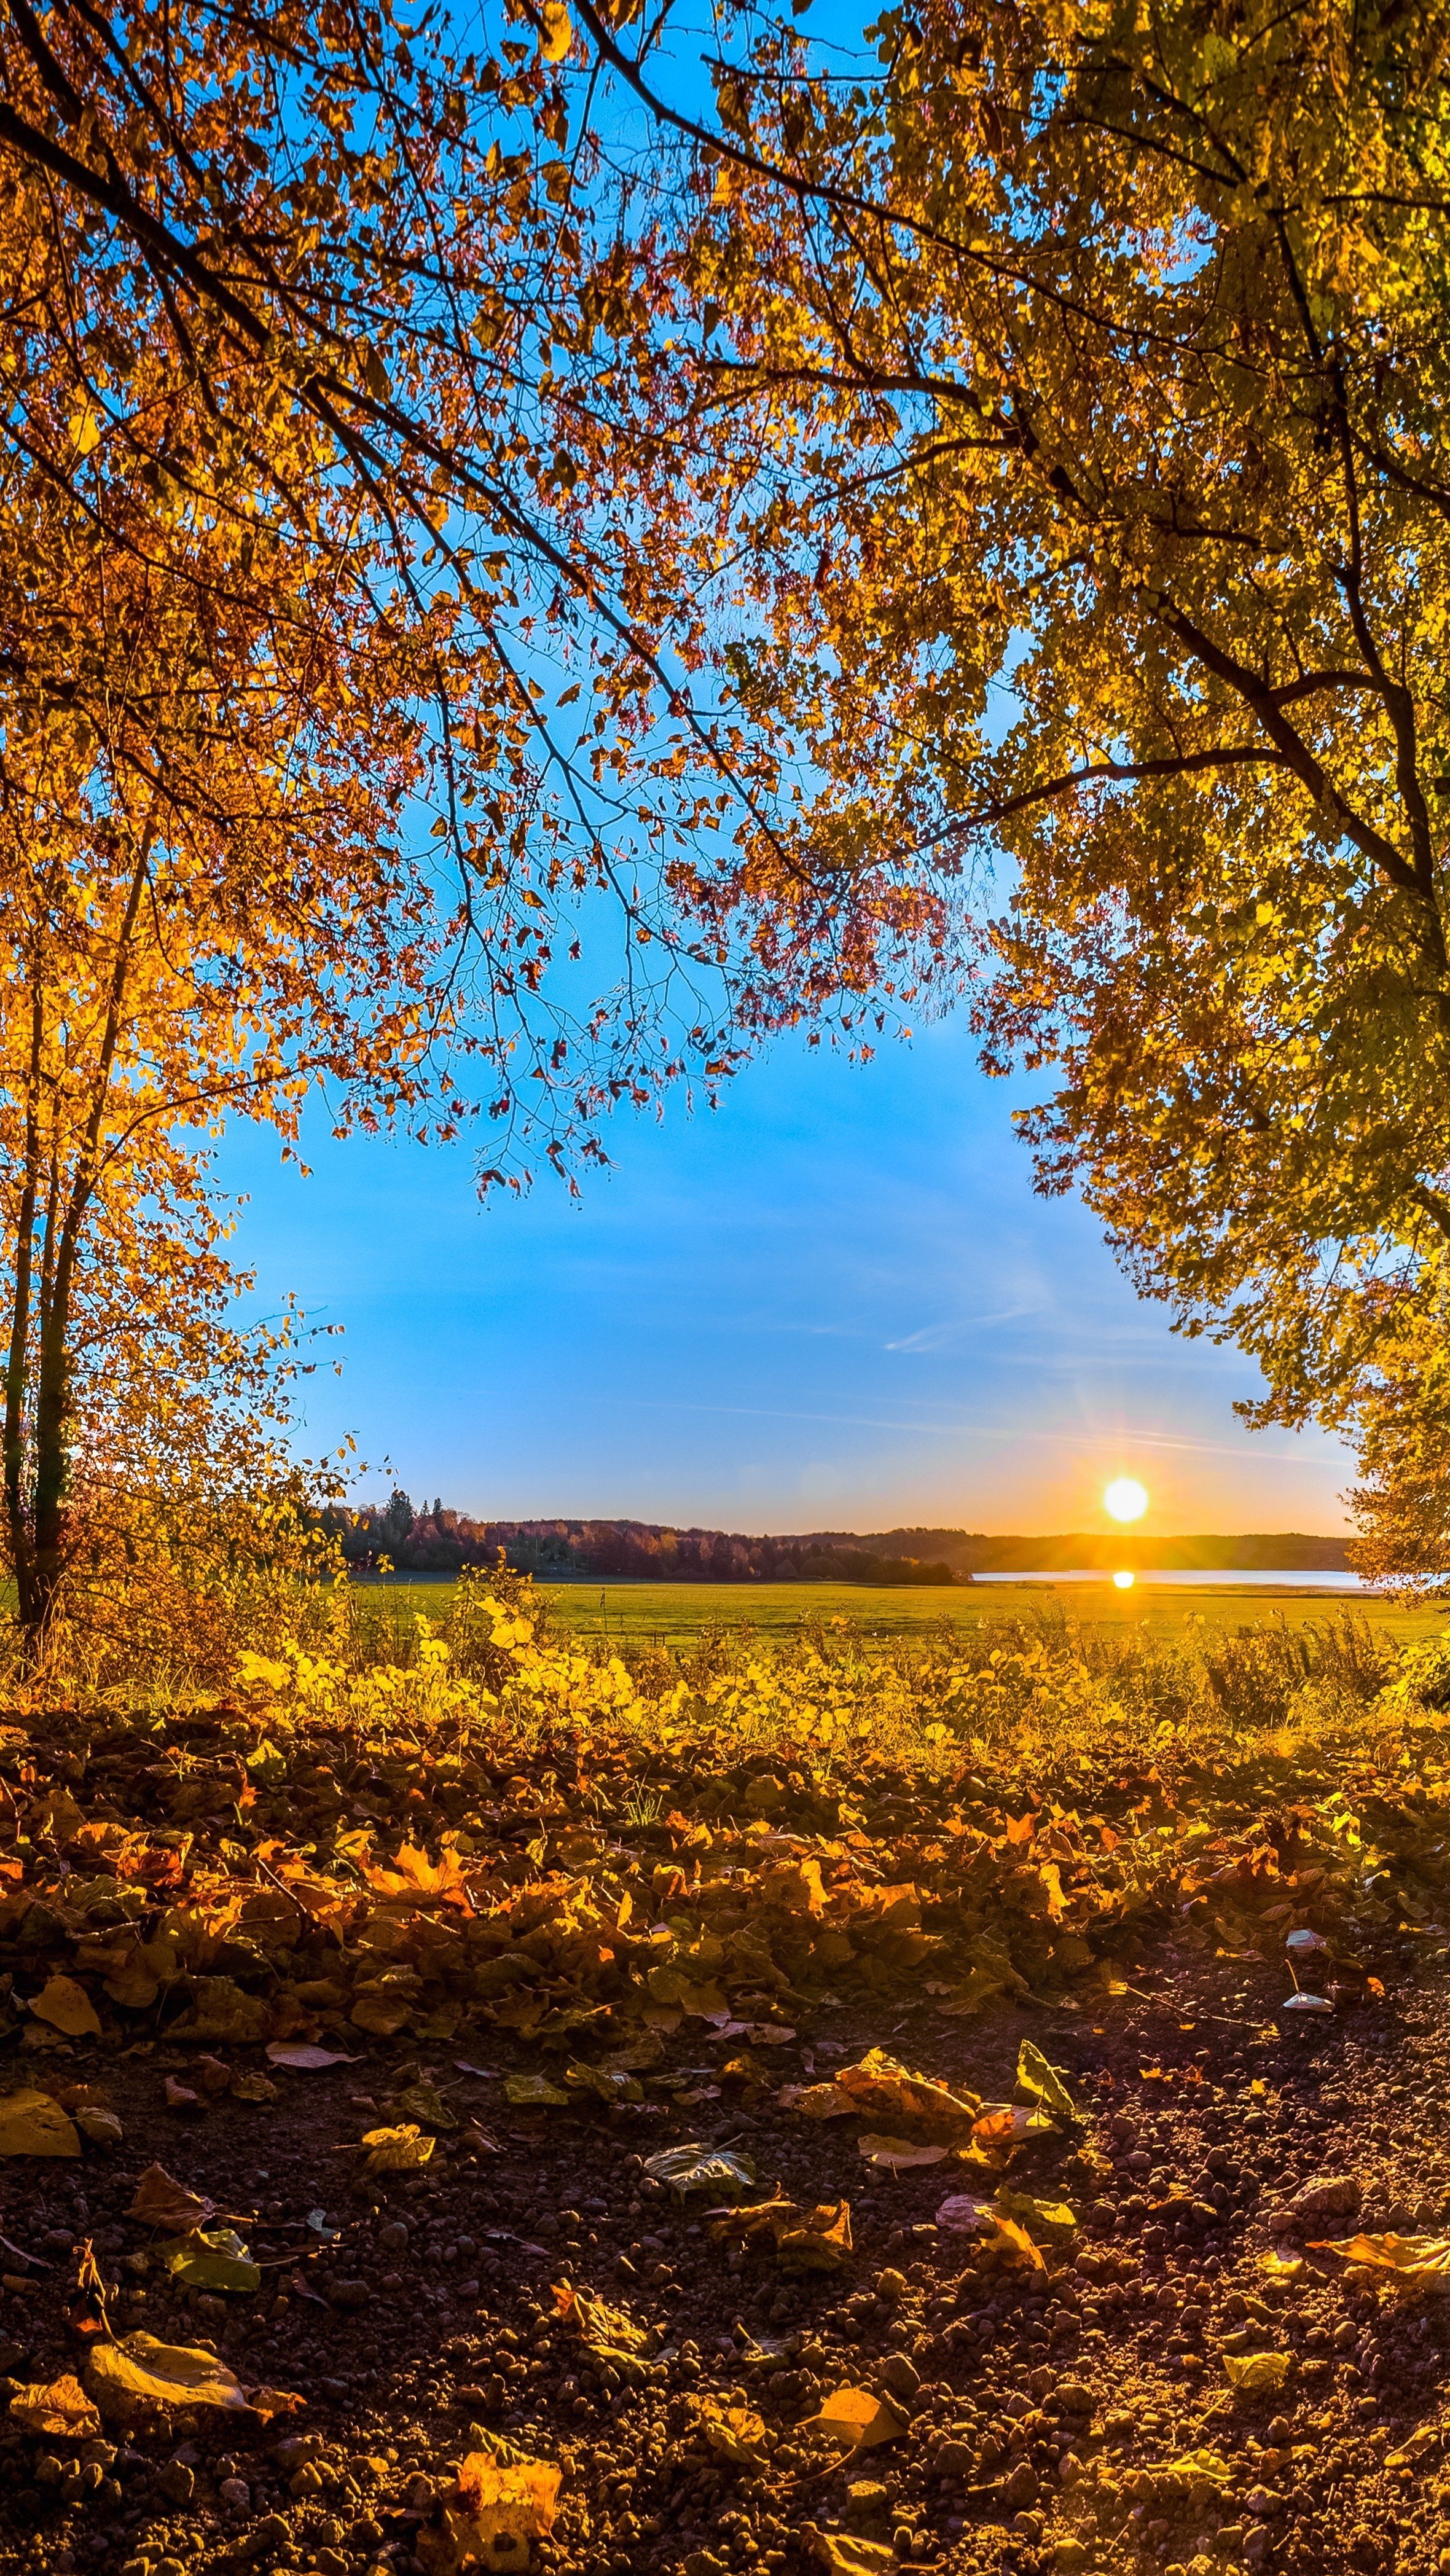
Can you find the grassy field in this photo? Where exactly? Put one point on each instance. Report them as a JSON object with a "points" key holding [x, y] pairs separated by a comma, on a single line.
{"points": [[673, 1614]]}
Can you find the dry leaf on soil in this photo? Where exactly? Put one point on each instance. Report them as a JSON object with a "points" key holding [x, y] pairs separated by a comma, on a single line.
{"points": [[58, 2409], [857, 2418], [397, 2150], [1256, 2373], [304, 2056], [733, 2431], [1405, 2258], [101, 2128], [502, 2502], [1044, 2082], [844, 2555], [534, 2093], [215, 2259], [804, 2240], [161, 2202], [963, 2216], [697, 2168], [31, 2124], [67, 2007], [138, 2372], [880, 2083], [603, 2329], [897, 2155]]}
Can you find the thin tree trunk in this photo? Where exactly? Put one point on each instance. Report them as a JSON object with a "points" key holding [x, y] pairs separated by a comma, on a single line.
{"points": [[52, 1406], [17, 1526]]}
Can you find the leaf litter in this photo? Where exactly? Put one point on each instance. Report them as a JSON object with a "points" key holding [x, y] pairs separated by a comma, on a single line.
{"points": [[496, 1908]]}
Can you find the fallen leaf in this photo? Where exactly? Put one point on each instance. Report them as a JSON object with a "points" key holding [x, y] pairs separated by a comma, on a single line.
{"points": [[962, 2216], [603, 2329], [1012, 2124], [304, 2056], [1256, 2372], [1048, 2217], [816, 2240], [1044, 2082], [856, 2418], [880, 2083], [136, 2373], [733, 2431], [534, 2093], [32, 2125], [400, 2150], [803, 2240], [67, 2007], [380, 2013], [59, 2409], [502, 2502], [897, 2155], [254, 2088], [100, 2128], [844, 2555], [212, 2259], [817, 2101], [1015, 2241], [697, 2168], [180, 2097], [1406, 2258], [424, 2104], [160, 2202]]}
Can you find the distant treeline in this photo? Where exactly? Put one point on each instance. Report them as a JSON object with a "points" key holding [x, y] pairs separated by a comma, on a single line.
{"points": [[433, 1540]]}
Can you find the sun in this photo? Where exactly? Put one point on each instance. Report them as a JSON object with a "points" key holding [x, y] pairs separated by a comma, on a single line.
{"points": [[1126, 1499]]}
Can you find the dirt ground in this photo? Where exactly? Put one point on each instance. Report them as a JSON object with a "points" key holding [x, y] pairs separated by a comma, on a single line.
{"points": [[1076, 2417]]}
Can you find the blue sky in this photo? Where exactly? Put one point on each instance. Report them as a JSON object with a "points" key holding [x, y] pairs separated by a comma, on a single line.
{"points": [[835, 1302]]}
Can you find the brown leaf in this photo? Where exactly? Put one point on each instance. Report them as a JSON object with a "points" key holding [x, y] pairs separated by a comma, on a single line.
{"points": [[159, 2202]]}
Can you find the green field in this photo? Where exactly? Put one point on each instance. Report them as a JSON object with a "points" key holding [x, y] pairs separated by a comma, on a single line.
{"points": [[673, 1614]]}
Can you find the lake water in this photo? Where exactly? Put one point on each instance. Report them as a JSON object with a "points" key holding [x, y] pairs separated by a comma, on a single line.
{"points": [[1325, 1580]]}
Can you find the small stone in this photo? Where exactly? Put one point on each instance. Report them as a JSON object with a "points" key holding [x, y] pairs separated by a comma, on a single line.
{"points": [[176, 2481], [955, 2459], [1073, 2398], [1020, 2489], [394, 2237], [235, 2491], [901, 2376]]}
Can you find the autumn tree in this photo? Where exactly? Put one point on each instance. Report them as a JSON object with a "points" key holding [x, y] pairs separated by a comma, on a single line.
{"points": [[1064, 393], [207, 907], [368, 254], [344, 679]]}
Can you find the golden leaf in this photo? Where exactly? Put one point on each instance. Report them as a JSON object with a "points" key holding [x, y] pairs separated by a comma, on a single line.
{"points": [[858, 2419], [558, 31], [400, 2150], [67, 2007], [138, 2372], [897, 2155], [32, 2125], [59, 2409], [1256, 2373], [1407, 2258]]}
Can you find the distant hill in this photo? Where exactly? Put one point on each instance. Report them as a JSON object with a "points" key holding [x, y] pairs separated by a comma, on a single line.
{"points": [[432, 1539]]}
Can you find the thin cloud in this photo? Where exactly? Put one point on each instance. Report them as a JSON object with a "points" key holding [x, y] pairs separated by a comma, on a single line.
{"points": [[939, 1337]]}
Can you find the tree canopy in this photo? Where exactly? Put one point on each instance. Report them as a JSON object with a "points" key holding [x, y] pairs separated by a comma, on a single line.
{"points": [[1066, 385]]}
